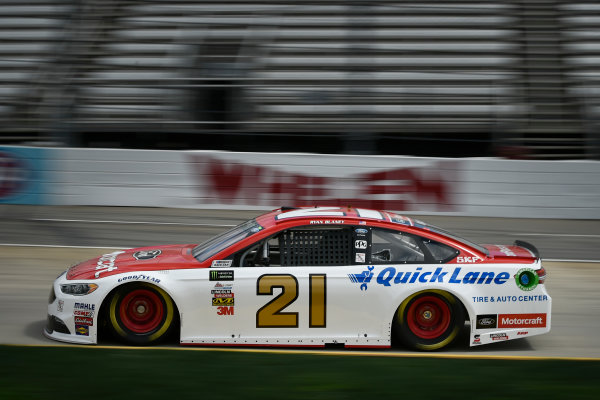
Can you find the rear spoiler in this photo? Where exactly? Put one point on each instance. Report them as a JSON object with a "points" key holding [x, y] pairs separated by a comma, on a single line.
{"points": [[528, 246]]}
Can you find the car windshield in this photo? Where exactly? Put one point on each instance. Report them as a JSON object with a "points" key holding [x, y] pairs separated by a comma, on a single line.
{"points": [[204, 251], [421, 224]]}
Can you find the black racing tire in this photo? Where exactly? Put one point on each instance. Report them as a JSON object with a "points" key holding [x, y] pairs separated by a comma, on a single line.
{"points": [[429, 320], [141, 314]]}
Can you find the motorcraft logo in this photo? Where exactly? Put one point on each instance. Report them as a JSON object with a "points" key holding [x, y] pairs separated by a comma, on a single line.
{"points": [[488, 321], [221, 275], [146, 254], [522, 320], [391, 276]]}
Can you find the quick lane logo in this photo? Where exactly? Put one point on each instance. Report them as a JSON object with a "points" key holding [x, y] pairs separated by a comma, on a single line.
{"points": [[390, 276], [221, 275], [363, 278]]}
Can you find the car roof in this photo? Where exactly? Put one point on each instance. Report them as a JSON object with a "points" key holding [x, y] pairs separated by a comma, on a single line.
{"points": [[317, 215], [332, 215]]}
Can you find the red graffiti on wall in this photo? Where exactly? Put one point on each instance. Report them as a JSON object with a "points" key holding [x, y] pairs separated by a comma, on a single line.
{"points": [[411, 188]]}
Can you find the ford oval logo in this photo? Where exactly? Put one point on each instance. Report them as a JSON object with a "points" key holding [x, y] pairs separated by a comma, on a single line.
{"points": [[487, 321]]}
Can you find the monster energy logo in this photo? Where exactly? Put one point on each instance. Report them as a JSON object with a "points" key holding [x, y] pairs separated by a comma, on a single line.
{"points": [[220, 275]]}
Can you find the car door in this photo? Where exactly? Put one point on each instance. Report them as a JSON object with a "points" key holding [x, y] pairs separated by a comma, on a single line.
{"points": [[297, 288]]}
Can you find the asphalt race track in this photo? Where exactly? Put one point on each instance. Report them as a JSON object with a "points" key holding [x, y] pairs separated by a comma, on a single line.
{"points": [[38, 243]]}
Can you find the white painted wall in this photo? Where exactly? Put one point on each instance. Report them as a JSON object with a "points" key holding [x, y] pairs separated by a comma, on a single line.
{"points": [[210, 179]]}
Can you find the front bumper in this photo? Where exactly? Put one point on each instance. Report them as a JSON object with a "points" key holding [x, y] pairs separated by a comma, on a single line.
{"points": [[72, 319]]}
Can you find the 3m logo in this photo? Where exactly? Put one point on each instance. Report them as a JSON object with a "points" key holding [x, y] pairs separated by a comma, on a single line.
{"points": [[225, 311], [522, 321]]}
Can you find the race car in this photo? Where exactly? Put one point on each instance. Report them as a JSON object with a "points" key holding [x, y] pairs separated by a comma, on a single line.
{"points": [[308, 276]]}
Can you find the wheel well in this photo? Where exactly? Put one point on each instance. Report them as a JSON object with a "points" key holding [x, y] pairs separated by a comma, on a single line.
{"points": [[394, 325], [104, 309]]}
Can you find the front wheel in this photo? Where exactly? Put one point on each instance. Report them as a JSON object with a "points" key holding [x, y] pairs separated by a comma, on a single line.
{"points": [[429, 320], [141, 313]]}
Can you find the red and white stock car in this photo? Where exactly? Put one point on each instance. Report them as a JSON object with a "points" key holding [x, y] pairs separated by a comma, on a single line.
{"points": [[308, 277]]}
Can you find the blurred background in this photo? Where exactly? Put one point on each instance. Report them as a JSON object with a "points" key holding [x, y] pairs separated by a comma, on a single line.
{"points": [[508, 78]]}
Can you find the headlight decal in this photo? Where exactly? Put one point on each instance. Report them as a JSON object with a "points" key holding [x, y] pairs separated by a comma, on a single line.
{"points": [[78, 289]]}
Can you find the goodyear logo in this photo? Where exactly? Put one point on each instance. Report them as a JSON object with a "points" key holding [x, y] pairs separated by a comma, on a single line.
{"points": [[222, 301], [221, 275]]}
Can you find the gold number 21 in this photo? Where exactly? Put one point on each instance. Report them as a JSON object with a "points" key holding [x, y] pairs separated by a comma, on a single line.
{"points": [[271, 315]]}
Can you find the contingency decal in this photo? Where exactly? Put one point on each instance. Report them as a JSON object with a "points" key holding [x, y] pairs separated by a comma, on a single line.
{"points": [[221, 263], [223, 298], [82, 330], [146, 254], [221, 275], [360, 258], [83, 314]]}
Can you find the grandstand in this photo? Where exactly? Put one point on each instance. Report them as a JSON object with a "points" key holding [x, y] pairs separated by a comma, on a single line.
{"points": [[516, 78]]}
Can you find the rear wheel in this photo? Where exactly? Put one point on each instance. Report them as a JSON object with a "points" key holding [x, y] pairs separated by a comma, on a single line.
{"points": [[141, 313], [429, 320]]}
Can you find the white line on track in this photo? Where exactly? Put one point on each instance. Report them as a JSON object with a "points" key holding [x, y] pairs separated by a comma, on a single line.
{"points": [[126, 222], [61, 246], [347, 353]]}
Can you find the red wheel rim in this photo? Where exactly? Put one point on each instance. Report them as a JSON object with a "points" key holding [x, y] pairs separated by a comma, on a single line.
{"points": [[428, 317], [141, 311]]}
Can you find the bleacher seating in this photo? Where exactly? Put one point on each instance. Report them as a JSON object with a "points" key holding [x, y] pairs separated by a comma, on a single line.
{"points": [[397, 77]]}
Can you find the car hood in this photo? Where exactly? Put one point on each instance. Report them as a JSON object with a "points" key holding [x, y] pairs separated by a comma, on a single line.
{"points": [[508, 251], [133, 260]]}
